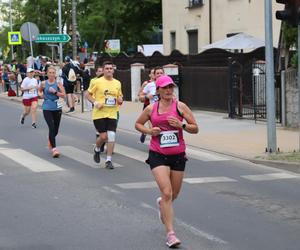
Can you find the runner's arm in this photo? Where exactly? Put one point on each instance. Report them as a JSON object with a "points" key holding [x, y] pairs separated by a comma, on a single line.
{"points": [[143, 118], [61, 93], [191, 125]]}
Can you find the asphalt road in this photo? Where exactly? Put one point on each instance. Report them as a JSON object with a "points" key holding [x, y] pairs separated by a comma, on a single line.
{"points": [[73, 203]]}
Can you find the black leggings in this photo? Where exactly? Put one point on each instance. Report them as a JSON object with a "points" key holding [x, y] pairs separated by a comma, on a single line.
{"points": [[52, 118]]}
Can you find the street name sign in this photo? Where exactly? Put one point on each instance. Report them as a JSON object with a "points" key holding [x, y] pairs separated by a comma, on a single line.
{"points": [[53, 38]]}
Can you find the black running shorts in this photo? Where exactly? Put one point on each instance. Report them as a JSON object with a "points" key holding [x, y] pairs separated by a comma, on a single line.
{"points": [[175, 162], [105, 124]]}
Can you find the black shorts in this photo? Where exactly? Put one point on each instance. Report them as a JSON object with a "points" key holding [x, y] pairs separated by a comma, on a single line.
{"points": [[105, 124], [69, 87], [175, 162]]}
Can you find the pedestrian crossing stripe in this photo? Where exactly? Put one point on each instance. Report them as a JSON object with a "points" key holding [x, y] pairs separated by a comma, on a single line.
{"points": [[208, 180], [132, 153], [137, 185], [30, 161], [269, 177], [84, 157]]}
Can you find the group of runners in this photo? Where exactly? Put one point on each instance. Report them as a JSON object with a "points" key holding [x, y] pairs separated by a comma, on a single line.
{"points": [[167, 118]]}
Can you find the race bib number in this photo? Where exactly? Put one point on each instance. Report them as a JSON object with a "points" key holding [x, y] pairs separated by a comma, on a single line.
{"points": [[169, 139], [110, 101], [59, 103], [32, 91]]}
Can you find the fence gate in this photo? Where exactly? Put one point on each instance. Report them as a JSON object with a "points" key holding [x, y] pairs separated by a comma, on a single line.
{"points": [[248, 92]]}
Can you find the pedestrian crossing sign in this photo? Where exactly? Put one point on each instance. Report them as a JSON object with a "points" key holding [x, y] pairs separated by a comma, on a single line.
{"points": [[14, 38]]}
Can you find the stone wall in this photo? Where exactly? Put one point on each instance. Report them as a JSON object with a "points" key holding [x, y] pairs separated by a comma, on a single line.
{"points": [[291, 98]]}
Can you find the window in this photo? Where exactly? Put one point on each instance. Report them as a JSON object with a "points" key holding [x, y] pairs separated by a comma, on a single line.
{"points": [[193, 41], [195, 3], [173, 41]]}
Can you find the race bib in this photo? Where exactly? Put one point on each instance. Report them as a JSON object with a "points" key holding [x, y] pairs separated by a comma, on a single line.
{"points": [[110, 101], [59, 103], [169, 139]]}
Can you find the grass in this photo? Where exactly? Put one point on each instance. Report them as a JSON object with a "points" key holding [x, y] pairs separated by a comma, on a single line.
{"points": [[288, 157]]}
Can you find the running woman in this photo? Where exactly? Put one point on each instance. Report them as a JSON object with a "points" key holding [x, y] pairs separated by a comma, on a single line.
{"points": [[52, 90], [167, 156], [106, 95], [29, 87]]}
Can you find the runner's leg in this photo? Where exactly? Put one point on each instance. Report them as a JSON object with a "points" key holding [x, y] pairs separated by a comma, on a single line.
{"points": [[162, 178]]}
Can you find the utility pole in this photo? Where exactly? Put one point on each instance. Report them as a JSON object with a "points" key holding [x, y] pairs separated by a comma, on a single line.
{"points": [[271, 123], [60, 31], [74, 30]]}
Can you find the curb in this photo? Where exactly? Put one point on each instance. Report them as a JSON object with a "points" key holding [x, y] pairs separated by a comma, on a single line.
{"points": [[289, 166]]}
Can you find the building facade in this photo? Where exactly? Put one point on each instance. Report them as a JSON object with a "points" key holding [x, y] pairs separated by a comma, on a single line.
{"points": [[188, 25]]}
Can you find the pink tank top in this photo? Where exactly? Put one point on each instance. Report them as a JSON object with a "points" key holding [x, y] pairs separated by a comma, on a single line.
{"points": [[170, 141]]}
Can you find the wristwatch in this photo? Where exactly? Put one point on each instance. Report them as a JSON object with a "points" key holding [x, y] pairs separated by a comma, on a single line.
{"points": [[183, 125]]}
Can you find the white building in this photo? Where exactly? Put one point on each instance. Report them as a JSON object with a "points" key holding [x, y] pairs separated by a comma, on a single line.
{"points": [[188, 25]]}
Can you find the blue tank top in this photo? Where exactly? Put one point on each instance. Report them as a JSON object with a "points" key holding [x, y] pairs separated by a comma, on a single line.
{"points": [[50, 100]]}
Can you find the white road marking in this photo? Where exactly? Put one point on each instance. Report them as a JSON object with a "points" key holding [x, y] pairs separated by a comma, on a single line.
{"points": [[269, 177], [3, 142], [204, 156], [137, 185], [30, 161], [112, 190], [152, 184], [192, 229], [131, 153], [1, 173], [208, 180], [84, 157]]}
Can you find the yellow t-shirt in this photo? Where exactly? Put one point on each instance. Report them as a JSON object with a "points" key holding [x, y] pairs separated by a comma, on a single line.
{"points": [[105, 92]]}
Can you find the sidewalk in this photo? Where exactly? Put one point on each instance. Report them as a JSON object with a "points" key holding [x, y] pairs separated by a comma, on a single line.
{"points": [[239, 138]]}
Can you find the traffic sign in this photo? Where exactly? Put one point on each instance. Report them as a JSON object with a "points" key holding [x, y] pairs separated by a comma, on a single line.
{"points": [[53, 38], [14, 38]]}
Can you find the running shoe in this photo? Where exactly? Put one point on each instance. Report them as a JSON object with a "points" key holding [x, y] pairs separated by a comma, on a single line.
{"points": [[55, 153], [96, 156], [109, 165], [172, 240], [71, 110], [102, 147], [33, 125], [22, 119], [158, 207], [142, 138]]}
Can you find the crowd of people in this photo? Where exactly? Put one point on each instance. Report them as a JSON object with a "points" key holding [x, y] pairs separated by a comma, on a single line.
{"points": [[163, 118]]}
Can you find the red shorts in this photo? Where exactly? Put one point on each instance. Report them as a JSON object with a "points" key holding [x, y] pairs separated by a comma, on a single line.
{"points": [[28, 102]]}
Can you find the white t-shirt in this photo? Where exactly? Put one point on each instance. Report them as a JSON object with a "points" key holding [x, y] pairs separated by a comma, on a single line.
{"points": [[150, 88], [29, 82]]}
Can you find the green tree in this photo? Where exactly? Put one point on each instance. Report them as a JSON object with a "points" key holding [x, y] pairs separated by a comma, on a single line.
{"points": [[133, 22], [290, 37]]}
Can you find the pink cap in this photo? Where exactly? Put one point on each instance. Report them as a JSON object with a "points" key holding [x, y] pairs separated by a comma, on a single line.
{"points": [[164, 81]]}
